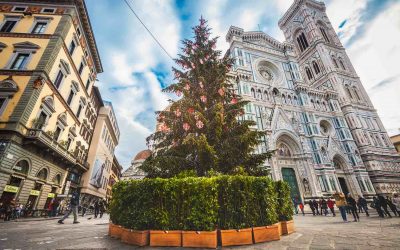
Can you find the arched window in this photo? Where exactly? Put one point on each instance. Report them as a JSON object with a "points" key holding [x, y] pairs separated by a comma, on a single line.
{"points": [[318, 105], [349, 91], [356, 93], [295, 101], [259, 95], [323, 32], [283, 98], [316, 68], [312, 102], [266, 95], [289, 99], [57, 179], [334, 62], [342, 64], [283, 150], [302, 42], [253, 92], [324, 105], [309, 73], [22, 167], [42, 174]]}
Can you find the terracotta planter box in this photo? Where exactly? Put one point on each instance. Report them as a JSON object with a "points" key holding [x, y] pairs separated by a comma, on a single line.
{"points": [[280, 228], [133, 237], [115, 231], [287, 227], [266, 233], [237, 237], [202, 239], [165, 238]]}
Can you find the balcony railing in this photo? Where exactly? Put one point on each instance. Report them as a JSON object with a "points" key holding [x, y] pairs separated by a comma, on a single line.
{"points": [[49, 142]]}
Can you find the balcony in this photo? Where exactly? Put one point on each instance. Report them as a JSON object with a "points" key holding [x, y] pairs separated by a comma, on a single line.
{"points": [[42, 139]]}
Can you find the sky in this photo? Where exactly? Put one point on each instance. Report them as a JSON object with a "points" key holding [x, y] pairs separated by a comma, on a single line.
{"points": [[136, 68]]}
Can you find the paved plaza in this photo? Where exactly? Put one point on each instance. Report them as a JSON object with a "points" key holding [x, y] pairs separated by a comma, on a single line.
{"points": [[318, 232]]}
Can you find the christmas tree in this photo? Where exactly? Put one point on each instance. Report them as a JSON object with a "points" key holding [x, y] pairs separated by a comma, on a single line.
{"points": [[204, 130]]}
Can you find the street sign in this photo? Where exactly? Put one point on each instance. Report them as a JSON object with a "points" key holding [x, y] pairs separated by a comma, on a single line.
{"points": [[11, 189], [35, 192], [51, 195]]}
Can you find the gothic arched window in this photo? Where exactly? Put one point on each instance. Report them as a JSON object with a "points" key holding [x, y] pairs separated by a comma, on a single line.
{"points": [[253, 92], [349, 91], [342, 64], [42, 174], [323, 32], [309, 73], [259, 95], [283, 98], [316, 68], [335, 62], [302, 42], [22, 167], [266, 95], [356, 93], [283, 150]]}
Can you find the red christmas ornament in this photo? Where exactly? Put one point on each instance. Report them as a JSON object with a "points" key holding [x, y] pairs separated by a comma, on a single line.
{"points": [[177, 113], [187, 87], [186, 126], [190, 110], [221, 92], [234, 101], [199, 124], [203, 98]]}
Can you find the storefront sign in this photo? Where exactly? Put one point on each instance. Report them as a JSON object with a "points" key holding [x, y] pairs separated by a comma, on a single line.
{"points": [[35, 192], [11, 189], [67, 185], [51, 195]]}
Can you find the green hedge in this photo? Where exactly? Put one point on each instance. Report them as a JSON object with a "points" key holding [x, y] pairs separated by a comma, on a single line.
{"points": [[285, 205], [196, 203]]}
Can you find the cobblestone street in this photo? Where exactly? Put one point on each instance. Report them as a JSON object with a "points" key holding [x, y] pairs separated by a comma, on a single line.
{"points": [[311, 233]]}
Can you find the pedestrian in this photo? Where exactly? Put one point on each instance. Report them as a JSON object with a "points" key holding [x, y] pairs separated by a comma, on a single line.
{"points": [[102, 207], [295, 204], [18, 210], [73, 208], [2, 210], [315, 204], [301, 206], [360, 210], [392, 206], [320, 206], [96, 208], [311, 204], [351, 202], [331, 205], [9, 210], [377, 205], [324, 207], [341, 203], [84, 208], [50, 207], [396, 201], [362, 202], [384, 205], [55, 206]]}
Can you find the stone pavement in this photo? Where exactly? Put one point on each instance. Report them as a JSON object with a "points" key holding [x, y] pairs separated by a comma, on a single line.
{"points": [[312, 232]]}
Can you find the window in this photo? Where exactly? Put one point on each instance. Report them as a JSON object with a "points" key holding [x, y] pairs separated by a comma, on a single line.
{"points": [[356, 93], [302, 42], [78, 31], [20, 61], [87, 84], [334, 62], [342, 64], [8, 25], [349, 92], [309, 73], [316, 68], [70, 97], [324, 34], [59, 79], [78, 112], [22, 167], [81, 66], [42, 174], [19, 9], [48, 10], [39, 28], [72, 47], [57, 133], [3, 104]]}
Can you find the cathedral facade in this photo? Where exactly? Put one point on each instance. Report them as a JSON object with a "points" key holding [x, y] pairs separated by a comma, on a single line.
{"points": [[318, 118]]}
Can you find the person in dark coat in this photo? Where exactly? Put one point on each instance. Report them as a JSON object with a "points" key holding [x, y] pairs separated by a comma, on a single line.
{"points": [[311, 204], [362, 203], [96, 208], [384, 205], [377, 205], [324, 207], [392, 206], [73, 208], [351, 202], [315, 203]]}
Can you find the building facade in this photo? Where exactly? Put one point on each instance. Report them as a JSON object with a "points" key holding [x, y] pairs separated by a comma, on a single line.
{"points": [[133, 171], [307, 96], [396, 142], [48, 64], [101, 157], [115, 176]]}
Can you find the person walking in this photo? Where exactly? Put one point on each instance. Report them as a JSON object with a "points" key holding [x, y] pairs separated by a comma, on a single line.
{"points": [[102, 207], [9, 209], [295, 204], [55, 206], [315, 204], [341, 203], [377, 205], [353, 207], [331, 205], [360, 210], [73, 208], [392, 206], [396, 201], [362, 202], [96, 208], [384, 205], [301, 206], [311, 204], [324, 207]]}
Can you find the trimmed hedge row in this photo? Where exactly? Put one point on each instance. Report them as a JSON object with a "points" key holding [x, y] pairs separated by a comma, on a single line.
{"points": [[198, 203]]}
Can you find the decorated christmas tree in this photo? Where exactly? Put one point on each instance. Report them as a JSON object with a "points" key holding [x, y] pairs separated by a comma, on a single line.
{"points": [[205, 129]]}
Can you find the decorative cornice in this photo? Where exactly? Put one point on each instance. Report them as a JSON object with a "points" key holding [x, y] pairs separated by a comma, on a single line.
{"points": [[296, 6]]}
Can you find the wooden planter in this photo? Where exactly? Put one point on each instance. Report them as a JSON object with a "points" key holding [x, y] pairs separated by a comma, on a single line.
{"points": [[236, 237], [115, 231], [202, 239], [165, 238], [266, 233], [133, 237], [287, 227], [280, 228]]}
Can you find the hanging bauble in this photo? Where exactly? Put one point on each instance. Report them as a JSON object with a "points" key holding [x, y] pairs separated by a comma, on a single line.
{"points": [[199, 124], [203, 98], [186, 126], [178, 93], [190, 110], [177, 113], [196, 116], [201, 61], [187, 87], [201, 84], [234, 101], [164, 127], [221, 92], [193, 66]]}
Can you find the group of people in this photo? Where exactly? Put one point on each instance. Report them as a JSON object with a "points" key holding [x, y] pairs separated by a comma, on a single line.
{"points": [[347, 204], [13, 209]]}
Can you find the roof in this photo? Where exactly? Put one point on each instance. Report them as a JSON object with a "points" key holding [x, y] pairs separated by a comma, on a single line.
{"points": [[142, 155]]}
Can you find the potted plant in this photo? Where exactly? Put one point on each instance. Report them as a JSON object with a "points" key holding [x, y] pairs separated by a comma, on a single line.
{"points": [[236, 237], [266, 233], [165, 238], [204, 239], [135, 237], [284, 208], [115, 231]]}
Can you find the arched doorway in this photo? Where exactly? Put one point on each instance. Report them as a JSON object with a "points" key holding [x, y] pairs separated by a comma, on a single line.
{"points": [[289, 176], [340, 166]]}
